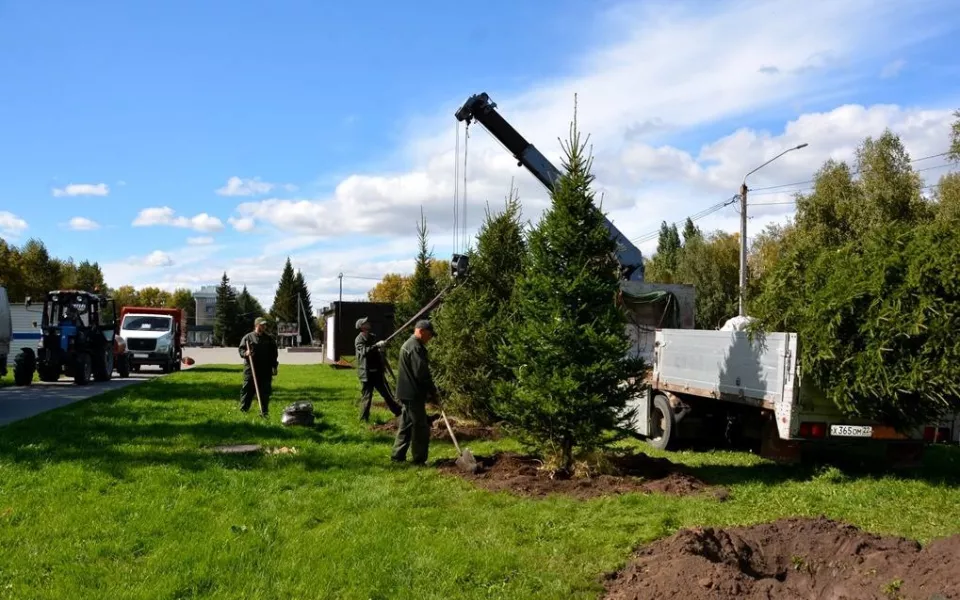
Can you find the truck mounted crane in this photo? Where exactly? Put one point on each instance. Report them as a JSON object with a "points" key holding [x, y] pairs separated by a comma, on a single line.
{"points": [[480, 108]]}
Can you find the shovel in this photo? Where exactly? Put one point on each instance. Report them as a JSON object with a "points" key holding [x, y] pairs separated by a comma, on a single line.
{"points": [[465, 461], [253, 371]]}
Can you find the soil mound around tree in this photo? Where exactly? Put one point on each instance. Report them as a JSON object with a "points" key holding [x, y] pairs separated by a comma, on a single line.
{"points": [[523, 476], [789, 559], [464, 430]]}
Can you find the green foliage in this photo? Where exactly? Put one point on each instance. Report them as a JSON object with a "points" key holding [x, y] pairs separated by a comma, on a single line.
{"points": [[423, 286], [712, 265], [248, 309], [663, 266], [867, 278], [690, 231], [305, 313], [568, 350], [284, 309], [474, 316], [225, 325], [954, 152]]}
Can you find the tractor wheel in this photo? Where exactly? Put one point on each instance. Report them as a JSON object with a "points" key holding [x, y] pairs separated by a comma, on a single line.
{"points": [[103, 365], [82, 369], [123, 365], [23, 367]]}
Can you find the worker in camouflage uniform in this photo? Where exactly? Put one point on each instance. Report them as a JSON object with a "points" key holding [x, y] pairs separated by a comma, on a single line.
{"points": [[263, 351], [370, 370], [415, 387]]}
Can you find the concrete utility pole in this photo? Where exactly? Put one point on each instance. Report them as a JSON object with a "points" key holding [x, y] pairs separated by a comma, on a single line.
{"points": [[336, 350], [743, 228]]}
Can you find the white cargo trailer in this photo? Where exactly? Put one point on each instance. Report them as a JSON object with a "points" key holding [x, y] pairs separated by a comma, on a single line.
{"points": [[704, 383]]}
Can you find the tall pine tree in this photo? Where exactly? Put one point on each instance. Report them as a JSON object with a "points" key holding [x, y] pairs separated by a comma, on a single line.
{"points": [[568, 350], [225, 323], [305, 316], [248, 309], [473, 317], [284, 309]]}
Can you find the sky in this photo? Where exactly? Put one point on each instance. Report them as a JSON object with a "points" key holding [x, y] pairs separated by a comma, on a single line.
{"points": [[172, 142]]}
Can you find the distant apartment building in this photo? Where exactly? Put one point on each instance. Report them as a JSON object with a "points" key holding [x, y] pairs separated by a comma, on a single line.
{"points": [[200, 333]]}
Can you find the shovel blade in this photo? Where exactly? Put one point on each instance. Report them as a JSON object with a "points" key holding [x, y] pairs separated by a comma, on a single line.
{"points": [[467, 462]]}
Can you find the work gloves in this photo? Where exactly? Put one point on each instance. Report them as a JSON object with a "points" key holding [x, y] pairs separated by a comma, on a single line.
{"points": [[380, 344]]}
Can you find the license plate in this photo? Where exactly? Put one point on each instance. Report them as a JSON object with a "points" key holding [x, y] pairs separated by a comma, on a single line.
{"points": [[141, 356], [851, 430]]}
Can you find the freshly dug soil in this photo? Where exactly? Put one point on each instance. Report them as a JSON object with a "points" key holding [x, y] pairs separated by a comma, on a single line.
{"points": [[640, 473], [789, 559], [465, 431]]}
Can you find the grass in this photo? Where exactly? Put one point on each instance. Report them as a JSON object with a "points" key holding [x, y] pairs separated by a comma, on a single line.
{"points": [[116, 497]]}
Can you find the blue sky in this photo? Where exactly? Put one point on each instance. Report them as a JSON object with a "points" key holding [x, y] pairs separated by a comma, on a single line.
{"points": [[346, 112]]}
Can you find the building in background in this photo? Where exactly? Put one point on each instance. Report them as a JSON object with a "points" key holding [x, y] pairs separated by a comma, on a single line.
{"points": [[340, 320], [200, 333]]}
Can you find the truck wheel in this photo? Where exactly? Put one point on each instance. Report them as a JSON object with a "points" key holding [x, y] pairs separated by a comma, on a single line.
{"points": [[123, 365], [83, 369], [662, 424], [23, 366], [103, 365]]}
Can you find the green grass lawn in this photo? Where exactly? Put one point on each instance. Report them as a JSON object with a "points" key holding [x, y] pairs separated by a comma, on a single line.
{"points": [[116, 497]]}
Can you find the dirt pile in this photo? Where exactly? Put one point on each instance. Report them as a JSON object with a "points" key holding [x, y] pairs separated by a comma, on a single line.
{"points": [[640, 473], [464, 430], [790, 559]]}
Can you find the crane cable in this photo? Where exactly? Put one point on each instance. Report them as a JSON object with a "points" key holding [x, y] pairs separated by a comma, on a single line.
{"points": [[456, 189], [466, 141]]}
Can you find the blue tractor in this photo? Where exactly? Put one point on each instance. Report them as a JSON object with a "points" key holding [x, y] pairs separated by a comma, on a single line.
{"points": [[78, 329]]}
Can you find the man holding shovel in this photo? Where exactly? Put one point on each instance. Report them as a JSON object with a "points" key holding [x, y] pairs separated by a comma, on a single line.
{"points": [[260, 355], [415, 387]]}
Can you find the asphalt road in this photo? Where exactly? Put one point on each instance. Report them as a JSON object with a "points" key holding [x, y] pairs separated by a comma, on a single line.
{"points": [[18, 403]]}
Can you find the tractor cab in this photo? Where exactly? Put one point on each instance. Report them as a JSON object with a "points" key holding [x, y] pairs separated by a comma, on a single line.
{"points": [[78, 329]]}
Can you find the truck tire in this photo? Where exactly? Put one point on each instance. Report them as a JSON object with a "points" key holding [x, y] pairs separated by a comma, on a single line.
{"points": [[662, 424], [83, 369], [123, 365], [103, 365], [23, 367]]}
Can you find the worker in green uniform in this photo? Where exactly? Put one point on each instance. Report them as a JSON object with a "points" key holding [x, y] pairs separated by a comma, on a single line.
{"points": [[415, 387], [369, 363], [263, 351]]}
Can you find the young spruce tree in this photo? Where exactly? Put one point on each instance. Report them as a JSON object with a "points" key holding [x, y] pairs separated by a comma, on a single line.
{"points": [[473, 318], [284, 309], [568, 352], [305, 315], [422, 287]]}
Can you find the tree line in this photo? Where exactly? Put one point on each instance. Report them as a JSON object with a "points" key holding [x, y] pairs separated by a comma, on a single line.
{"points": [[236, 312], [30, 270], [865, 273]]}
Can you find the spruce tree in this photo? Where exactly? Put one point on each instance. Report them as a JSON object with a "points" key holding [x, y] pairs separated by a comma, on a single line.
{"points": [[568, 350], [284, 309], [473, 317], [225, 321], [248, 309], [308, 322], [423, 286]]}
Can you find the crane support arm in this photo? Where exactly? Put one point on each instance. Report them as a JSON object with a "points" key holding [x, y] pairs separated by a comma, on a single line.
{"points": [[480, 108]]}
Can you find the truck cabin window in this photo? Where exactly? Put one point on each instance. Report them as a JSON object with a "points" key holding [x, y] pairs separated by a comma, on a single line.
{"points": [[147, 323]]}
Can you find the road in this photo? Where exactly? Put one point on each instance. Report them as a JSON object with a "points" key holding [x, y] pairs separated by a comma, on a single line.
{"points": [[230, 356], [18, 403]]}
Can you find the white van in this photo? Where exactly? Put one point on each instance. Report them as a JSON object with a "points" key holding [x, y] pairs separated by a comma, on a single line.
{"points": [[6, 330]]}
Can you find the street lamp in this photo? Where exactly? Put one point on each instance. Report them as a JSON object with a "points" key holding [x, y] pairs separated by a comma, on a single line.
{"points": [[743, 227]]}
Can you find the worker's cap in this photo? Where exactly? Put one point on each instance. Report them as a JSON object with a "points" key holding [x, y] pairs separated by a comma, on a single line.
{"points": [[425, 325], [361, 321], [260, 321]]}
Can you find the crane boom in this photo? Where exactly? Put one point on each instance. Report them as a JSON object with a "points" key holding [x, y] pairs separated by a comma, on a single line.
{"points": [[479, 107]]}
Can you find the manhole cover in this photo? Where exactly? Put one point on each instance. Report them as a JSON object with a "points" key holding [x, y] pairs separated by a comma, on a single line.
{"points": [[236, 449]]}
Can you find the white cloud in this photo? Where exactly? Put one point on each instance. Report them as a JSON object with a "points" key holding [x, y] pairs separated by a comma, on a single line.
{"points": [[165, 215], [158, 258], [82, 189], [10, 224], [251, 187], [665, 131], [83, 224], [892, 69], [200, 241], [243, 224], [630, 105]]}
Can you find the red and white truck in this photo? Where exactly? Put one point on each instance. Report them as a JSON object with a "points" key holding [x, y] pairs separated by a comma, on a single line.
{"points": [[154, 336]]}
